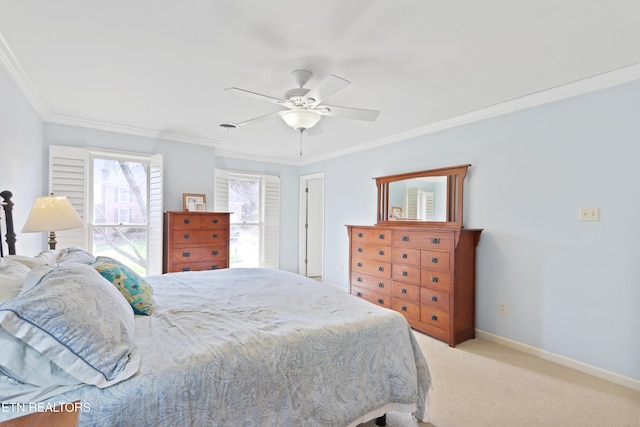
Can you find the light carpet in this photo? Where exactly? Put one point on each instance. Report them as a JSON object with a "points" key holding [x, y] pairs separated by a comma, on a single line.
{"points": [[480, 383]]}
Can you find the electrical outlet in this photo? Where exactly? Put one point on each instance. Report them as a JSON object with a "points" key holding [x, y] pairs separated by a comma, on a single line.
{"points": [[502, 307], [589, 214]]}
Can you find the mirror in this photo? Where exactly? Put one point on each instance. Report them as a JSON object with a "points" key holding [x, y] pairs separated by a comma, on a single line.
{"points": [[426, 197]]}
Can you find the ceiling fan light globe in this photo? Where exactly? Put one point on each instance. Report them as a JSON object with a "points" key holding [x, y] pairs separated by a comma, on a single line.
{"points": [[300, 118]]}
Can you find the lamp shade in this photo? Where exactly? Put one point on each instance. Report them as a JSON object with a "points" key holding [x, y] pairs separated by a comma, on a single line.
{"points": [[52, 213], [300, 118]]}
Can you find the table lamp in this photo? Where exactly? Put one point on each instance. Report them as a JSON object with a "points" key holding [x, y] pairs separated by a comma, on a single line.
{"points": [[51, 213]]}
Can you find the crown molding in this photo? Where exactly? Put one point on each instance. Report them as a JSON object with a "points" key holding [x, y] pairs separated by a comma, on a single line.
{"points": [[130, 130], [257, 157], [578, 87], [17, 74], [582, 86]]}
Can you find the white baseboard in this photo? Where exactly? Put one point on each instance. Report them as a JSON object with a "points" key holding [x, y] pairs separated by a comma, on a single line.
{"points": [[561, 360]]}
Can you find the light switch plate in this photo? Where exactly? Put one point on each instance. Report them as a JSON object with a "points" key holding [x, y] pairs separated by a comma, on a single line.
{"points": [[589, 214]]}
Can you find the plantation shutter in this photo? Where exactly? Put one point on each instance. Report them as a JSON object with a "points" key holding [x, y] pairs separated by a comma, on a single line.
{"points": [[68, 172], [221, 196], [154, 255], [270, 243]]}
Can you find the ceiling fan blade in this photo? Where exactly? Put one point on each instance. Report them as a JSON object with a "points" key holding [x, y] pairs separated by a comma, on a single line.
{"points": [[330, 85], [257, 95], [257, 119], [349, 113]]}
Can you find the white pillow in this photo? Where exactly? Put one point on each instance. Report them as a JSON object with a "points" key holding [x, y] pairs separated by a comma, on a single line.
{"points": [[78, 320], [43, 258], [12, 276]]}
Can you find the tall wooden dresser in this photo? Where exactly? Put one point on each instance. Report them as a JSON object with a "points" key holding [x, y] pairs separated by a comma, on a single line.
{"points": [[195, 241], [422, 268]]}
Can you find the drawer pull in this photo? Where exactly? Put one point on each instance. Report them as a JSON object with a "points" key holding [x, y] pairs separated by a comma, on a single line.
{"points": [[380, 285], [215, 235], [186, 236], [434, 260], [359, 264], [214, 267], [434, 279], [434, 317], [360, 250], [186, 269], [360, 235], [404, 308], [381, 253], [435, 241], [215, 220], [404, 291], [404, 273], [186, 254], [405, 238], [359, 279], [380, 301], [381, 236], [434, 298], [214, 252], [405, 256], [380, 268], [359, 293], [187, 221]]}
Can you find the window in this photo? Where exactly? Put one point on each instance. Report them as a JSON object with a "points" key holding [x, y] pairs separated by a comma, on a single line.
{"points": [[119, 197], [123, 194], [254, 201]]}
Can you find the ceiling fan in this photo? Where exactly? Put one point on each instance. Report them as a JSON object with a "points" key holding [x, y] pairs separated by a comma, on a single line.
{"points": [[305, 107]]}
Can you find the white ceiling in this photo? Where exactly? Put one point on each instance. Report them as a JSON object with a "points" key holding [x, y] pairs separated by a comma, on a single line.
{"points": [[160, 67]]}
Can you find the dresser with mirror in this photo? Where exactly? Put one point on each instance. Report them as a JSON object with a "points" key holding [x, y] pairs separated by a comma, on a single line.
{"points": [[418, 259]]}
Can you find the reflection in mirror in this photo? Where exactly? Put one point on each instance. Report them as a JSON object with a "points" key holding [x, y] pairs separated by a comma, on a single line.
{"points": [[431, 198], [418, 199]]}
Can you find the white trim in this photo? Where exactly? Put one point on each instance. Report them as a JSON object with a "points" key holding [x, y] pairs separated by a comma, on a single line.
{"points": [[14, 69], [578, 87], [302, 209], [256, 157], [562, 360]]}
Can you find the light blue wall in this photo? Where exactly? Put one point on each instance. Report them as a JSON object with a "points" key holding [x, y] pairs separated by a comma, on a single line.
{"points": [[188, 168], [21, 131], [572, 288]]}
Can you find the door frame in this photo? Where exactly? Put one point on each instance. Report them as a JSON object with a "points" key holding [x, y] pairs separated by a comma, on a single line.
{"points": [[302, 220]]}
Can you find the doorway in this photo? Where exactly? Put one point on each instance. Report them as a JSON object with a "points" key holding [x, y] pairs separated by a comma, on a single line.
{"points": [[312, 226]]}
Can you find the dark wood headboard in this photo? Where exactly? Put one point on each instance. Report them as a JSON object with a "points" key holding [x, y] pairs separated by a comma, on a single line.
{"points": [[10, 235]]}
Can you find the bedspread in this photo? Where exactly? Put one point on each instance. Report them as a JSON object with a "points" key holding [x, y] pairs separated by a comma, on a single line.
{"points": [[259, 347]]}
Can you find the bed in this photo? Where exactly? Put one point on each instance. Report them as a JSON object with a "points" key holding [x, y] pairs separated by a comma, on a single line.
{"points": [[232, 347]]}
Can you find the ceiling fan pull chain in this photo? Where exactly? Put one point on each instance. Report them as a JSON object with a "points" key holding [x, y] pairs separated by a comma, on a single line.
{"points": [[301, 130]]}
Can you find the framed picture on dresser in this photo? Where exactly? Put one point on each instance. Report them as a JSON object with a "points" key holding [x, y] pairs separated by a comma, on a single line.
{"points": [[194, 202]]}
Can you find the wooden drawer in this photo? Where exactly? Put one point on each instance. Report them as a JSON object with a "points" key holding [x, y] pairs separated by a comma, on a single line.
{"points": [[372, 267], [435, 278], [406, 273], [372, 283], [379, 252], [434, 317], [197, 266], [436, 260], [194, 254], [374, 297], [422, 239], [435, 298], [189, 221], [405, 291], [409, 309], [371, 235], [215, 237], [405, 256]]}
